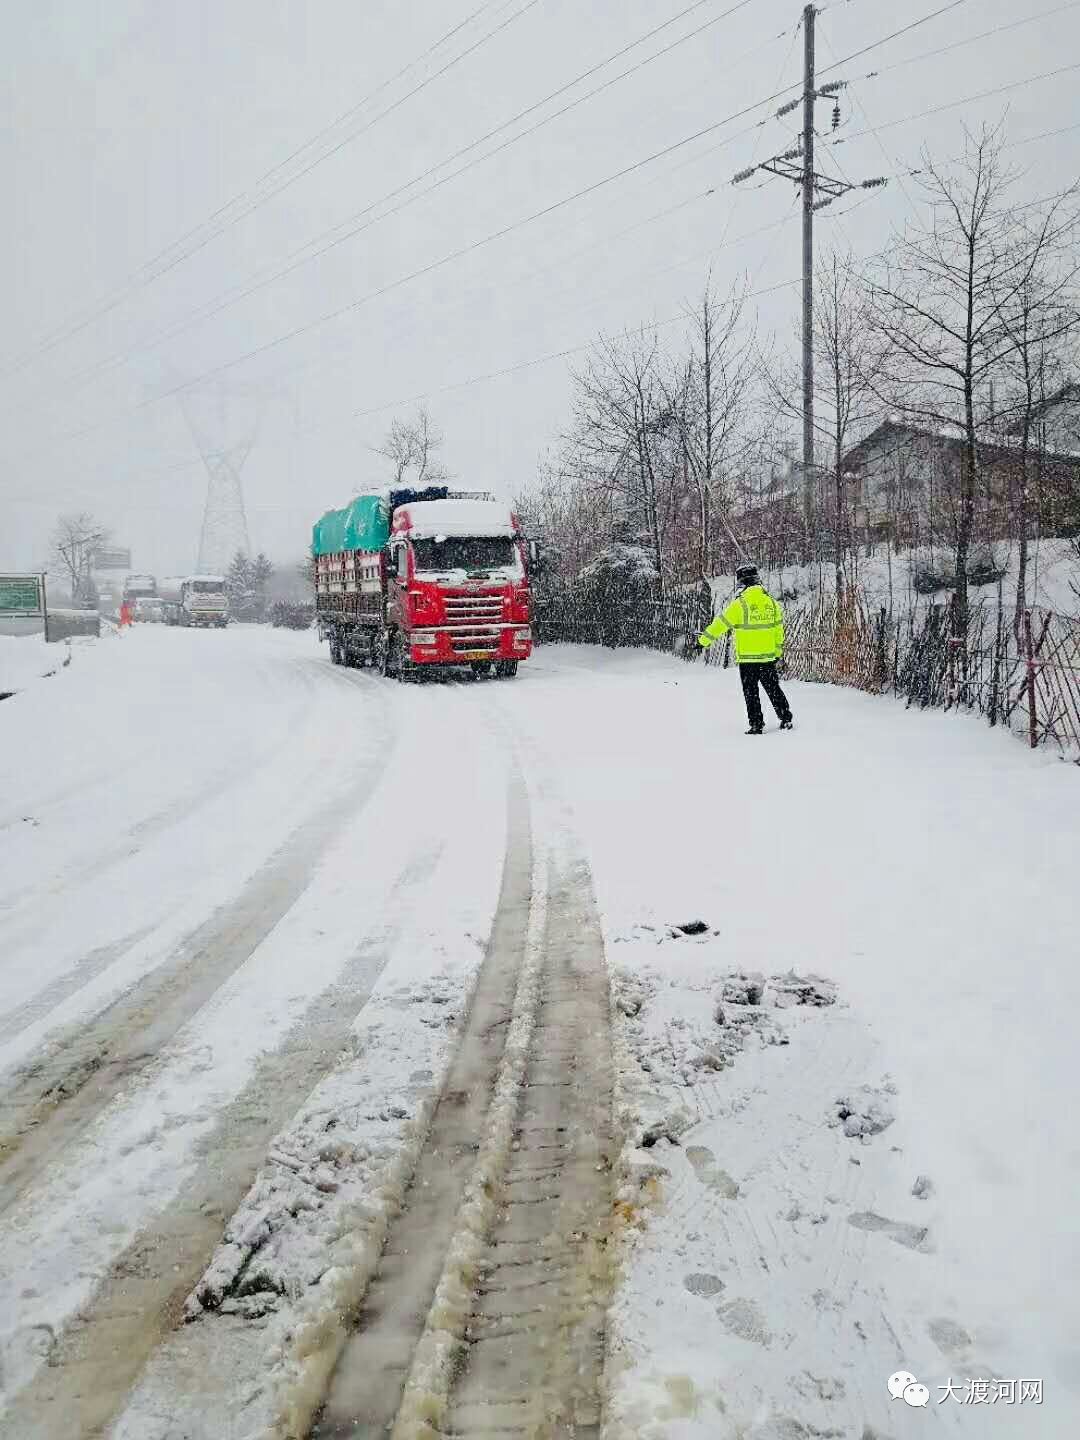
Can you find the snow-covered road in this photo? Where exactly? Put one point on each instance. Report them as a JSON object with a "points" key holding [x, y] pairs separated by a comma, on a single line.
{"points": [[246, 900]]}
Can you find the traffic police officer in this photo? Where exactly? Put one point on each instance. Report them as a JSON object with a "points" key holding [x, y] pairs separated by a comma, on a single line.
{"points": [[757, 621]]}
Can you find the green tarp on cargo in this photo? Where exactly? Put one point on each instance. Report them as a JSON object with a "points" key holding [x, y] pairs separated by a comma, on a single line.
{"points": [[362, 525]]}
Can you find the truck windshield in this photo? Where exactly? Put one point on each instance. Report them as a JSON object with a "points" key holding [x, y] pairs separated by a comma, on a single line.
{"points": [[465, 552], [206, 587]]}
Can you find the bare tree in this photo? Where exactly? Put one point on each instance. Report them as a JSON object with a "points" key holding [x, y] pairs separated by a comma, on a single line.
{"points": [[1038, 316], [709, 396], [412, 448], [556, 509], [621, 430], [938, 298], [76, 539], [849, 361]]}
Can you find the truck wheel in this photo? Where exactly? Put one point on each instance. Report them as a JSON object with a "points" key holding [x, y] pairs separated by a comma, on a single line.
{"points": [[395, 666], [405, 672], [389, 655], [506, 669]]}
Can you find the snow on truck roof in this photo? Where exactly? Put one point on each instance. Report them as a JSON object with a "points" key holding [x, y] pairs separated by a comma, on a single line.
{"points": [[454, 517]]}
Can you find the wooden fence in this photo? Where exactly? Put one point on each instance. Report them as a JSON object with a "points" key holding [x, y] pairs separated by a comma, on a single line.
{"points": [[1029, 682]]}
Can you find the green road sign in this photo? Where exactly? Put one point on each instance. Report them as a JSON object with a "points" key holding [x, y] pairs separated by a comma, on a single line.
{"points": [[21, 595]]}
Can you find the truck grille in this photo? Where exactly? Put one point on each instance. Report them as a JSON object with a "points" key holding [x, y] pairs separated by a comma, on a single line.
{"points": [[475, 637], [473, 609]]}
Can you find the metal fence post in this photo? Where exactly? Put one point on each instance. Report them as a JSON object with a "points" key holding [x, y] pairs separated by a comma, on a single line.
{"points": [[1029, 656]]}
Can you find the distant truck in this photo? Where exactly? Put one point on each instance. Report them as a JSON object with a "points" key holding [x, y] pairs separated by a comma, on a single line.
{"points": [[140, 587], [415, 580], [195, 600], [148, 610], [141, 594]]}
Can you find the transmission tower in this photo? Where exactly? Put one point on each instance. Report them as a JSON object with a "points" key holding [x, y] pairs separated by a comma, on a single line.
{"points": [[224, 525]]}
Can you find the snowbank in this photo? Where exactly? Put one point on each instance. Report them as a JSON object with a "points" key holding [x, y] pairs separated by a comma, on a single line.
{"points": [[25, 659]]}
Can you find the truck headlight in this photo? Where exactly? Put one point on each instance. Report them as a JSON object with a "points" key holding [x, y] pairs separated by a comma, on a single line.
{"points": [[423, 637], [522, 637]]}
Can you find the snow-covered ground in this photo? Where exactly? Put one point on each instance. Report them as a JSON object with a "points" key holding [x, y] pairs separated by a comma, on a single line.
{"points": [[884, 579], [246, 897], [924, 868], [25, 659]]}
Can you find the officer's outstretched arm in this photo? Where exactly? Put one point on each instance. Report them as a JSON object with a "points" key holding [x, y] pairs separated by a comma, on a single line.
{"points": [[715, 630]]}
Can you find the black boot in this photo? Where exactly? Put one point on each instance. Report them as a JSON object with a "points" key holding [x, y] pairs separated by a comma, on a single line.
{"points": [[788, 723], [754, 730]]}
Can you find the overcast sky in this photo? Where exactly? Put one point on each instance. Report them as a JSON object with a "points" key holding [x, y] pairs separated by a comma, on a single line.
{"points": [[128, 124]]}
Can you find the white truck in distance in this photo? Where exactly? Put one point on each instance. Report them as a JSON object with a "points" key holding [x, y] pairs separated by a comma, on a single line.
{"points": [[195, 600]]}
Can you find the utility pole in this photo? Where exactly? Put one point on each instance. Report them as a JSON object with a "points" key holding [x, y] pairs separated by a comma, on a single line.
{"points": [[809, 96], [818, 190]]}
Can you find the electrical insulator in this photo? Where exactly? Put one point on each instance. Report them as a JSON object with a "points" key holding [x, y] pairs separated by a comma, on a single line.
{"points": [[836, 116]]}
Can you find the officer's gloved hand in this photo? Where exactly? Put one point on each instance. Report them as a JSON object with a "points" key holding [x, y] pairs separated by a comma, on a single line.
{"points": [[704, 641]]}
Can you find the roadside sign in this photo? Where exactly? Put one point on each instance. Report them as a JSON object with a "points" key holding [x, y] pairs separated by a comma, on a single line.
{"points": [[22, 596], [112, 557]]}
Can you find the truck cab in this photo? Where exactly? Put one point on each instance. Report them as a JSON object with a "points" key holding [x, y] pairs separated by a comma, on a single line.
{"points": [[457, 585], [195, 600]]}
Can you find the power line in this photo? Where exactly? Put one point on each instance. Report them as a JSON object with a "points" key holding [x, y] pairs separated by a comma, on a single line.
{"points": [[550, 356], [141, 279], [1045, 135], [485, 378], [971, 39], [297, 259], [432, 266], [117, 300], [880, 143], [235, 296], [761, 131], [231, 297], [543, 359], [965, 100], [709, 253], [856, 54], [895, 35], [463, 251]]}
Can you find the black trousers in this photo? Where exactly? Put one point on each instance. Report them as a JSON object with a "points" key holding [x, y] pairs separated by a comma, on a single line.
{"points": [[764, 675]]}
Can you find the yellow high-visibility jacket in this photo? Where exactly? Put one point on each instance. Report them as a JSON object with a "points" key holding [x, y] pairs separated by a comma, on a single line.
{"points": [[758, 623]]}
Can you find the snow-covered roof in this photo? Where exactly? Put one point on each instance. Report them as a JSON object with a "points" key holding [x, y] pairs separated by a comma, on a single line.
{"points": [[454, 517], [990, 443]]}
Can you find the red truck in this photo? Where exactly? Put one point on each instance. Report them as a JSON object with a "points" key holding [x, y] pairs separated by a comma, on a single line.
{"points": [[414, 580]]}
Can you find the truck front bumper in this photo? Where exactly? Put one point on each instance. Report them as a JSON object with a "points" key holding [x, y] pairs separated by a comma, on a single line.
{"points": [[468, 646]]}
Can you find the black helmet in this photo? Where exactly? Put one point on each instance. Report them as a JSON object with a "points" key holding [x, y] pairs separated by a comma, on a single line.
{"points": [[747, 575]]}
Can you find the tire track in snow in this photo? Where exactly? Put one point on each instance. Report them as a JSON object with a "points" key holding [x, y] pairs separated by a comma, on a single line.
{"points": [[489, 1315], [80, 974], [362, 877], [179, 808], [373, 1360], [93, 1365], [535, 1330], [51, 1101]]}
